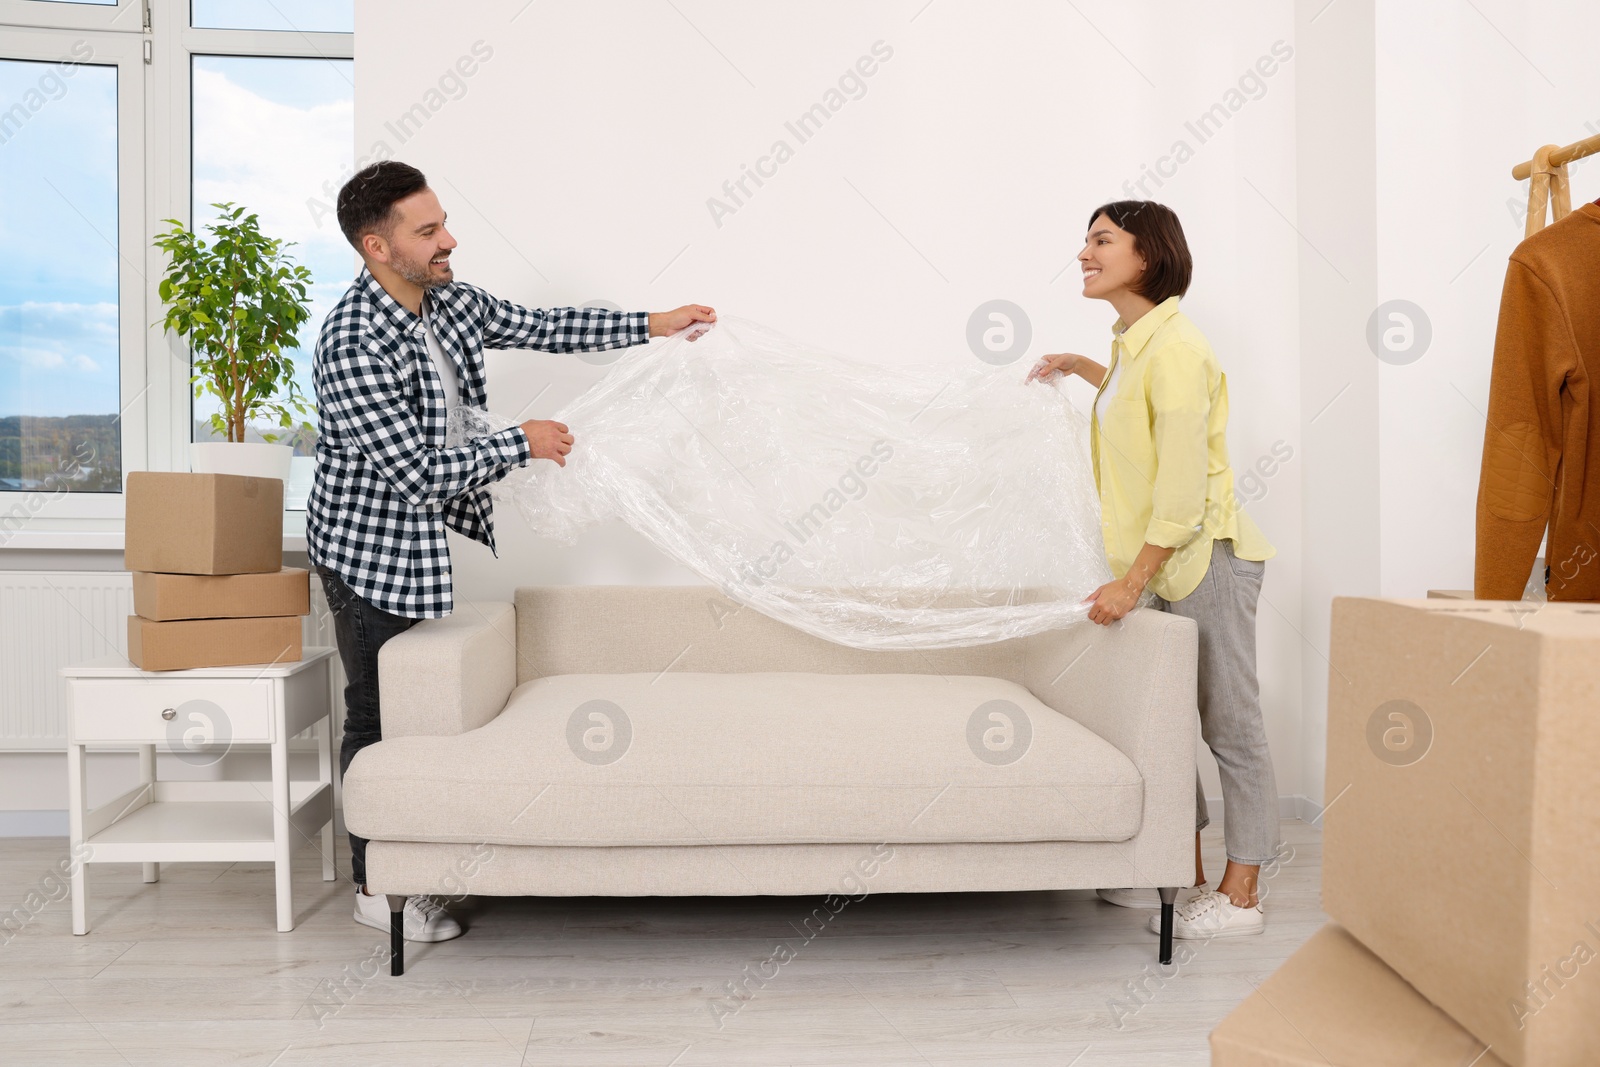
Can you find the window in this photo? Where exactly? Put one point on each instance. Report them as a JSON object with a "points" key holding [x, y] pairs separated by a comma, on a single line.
{"points": [[60, 390], [302, 16], [115, 115], [276, 134], [74, 387]]}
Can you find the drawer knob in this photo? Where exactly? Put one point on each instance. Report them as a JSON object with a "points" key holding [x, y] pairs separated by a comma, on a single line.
{"points": [[169, 713]]}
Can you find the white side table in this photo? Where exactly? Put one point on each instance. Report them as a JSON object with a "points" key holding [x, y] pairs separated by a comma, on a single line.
{"points": [[196, 715]]}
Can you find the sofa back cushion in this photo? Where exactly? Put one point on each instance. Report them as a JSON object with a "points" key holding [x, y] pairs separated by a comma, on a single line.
{"points": [[622, 629]]}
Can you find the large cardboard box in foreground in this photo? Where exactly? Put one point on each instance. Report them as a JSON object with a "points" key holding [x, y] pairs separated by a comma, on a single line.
{"points": [[203, 523], [162, 597], [189, 643], [1461, 837], [1334, 1004]]}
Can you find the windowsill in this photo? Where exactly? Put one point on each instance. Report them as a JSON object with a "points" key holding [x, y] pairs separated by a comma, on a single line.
{"points": [[110, 539]]}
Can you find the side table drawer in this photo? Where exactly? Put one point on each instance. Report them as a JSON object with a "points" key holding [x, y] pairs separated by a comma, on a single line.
{"points": [[132, 710]]}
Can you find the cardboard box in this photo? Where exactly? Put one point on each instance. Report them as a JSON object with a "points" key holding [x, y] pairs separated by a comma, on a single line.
{"points": [[162, 597], [188, 643], [1461, 835], [1335, 1004], [203, 523]]}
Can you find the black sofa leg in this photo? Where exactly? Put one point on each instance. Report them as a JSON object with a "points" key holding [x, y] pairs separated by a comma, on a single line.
{"points": [[397, 935], [1169, 896]]}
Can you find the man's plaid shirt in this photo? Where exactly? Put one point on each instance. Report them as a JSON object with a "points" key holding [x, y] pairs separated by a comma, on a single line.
{"points": [[386, 486]]}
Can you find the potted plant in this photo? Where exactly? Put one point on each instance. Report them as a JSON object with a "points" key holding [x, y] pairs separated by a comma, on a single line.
{"points": [[239, 302]]}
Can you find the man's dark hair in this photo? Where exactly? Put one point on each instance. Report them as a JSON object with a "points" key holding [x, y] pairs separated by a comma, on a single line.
{"points": [[1158, 237], [366, 202]]}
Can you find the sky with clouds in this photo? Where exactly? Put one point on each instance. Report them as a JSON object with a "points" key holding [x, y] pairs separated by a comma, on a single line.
{"points": [[268, 133], [271, 133], [58, 287]]}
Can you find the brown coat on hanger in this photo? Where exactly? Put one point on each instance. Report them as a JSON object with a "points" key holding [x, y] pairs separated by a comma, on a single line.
{"points": [[1541, 449]]}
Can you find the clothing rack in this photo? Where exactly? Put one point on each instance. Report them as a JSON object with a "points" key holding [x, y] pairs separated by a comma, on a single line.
{"points": [[1550, 188]]}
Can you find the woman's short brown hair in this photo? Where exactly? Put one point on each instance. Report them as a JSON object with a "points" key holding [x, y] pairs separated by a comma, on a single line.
{"points": [[1158, 237]]}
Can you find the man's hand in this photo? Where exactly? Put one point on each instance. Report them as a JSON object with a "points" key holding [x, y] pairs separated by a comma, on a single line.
{"points": [[548, 440], [665, 322]]}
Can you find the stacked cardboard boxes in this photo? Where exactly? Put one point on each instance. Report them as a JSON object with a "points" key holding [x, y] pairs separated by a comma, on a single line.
{"points": [[1461, 846], [209, 585]]}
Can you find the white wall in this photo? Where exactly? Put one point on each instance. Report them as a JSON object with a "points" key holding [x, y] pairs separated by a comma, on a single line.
{"points": [[1335, 153], [579, 160]]}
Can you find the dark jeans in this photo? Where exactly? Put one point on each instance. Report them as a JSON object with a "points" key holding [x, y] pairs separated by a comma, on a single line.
{"points": [[361, 630]]}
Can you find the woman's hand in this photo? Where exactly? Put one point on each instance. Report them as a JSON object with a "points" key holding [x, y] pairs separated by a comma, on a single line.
{"points": [[1112, 601], [1049, 366]]}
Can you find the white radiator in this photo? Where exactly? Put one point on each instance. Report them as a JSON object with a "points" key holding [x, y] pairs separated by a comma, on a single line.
{"points": [[50, 619]]}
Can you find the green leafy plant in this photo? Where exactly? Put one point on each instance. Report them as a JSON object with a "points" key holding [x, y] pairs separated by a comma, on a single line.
{"points": [[239, 302]]}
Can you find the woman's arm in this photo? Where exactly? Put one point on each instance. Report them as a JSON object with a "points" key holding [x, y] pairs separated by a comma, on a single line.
{"points": [[1117, 597], [1146, 563], [1069, 363], [1090, 371]]}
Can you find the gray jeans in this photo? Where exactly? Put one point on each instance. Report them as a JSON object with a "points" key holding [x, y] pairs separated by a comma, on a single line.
{"points": [[1223, 607]]}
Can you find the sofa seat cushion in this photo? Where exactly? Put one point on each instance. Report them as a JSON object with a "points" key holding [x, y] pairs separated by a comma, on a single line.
{"points": [[785, 758]]}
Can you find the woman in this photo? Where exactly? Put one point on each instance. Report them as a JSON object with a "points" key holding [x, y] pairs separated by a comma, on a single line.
{"points": [[1173, 524]]}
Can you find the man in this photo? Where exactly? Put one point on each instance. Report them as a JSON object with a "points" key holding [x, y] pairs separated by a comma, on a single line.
{"points": [[402, 347]]}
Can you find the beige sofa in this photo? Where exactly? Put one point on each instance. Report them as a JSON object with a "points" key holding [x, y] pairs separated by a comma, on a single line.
{"points": [[634, 741]]}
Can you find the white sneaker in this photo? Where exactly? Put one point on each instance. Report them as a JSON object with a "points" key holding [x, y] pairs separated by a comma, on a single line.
{"points": [[1147, 898], [1213, 915], [425, 920]]}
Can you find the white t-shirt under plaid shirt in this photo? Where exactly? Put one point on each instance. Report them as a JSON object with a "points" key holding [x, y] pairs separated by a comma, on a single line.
{"points": [[441, 362]]}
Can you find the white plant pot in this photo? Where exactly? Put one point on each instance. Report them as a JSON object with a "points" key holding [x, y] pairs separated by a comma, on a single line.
{"points": [[253, 458]]}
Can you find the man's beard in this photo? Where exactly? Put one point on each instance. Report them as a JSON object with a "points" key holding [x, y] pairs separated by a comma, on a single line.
{"points": [[418, 274]]}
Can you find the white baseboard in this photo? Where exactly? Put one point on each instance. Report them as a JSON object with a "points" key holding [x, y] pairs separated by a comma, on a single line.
{"points": [[1307, 811], [45, 822], [48, 822]]}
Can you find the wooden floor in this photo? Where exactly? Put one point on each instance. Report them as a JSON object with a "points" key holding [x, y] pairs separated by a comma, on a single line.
{"points": [[190, 971]]}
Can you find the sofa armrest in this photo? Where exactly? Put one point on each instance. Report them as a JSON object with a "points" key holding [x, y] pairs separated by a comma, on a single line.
{"points": [[1134, 683], [447, 676], [1130, 682]]}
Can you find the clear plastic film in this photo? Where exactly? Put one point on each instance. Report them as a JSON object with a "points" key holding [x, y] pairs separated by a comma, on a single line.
{"points": [[877, 507]]}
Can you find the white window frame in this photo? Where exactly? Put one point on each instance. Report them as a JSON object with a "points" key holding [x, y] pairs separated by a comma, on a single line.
{"points": [[125, 16], [125, 52], [153, 46], [182, 48]]}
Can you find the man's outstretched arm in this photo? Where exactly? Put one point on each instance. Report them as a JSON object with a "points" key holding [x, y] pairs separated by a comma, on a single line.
{"points": [[567, 329]]}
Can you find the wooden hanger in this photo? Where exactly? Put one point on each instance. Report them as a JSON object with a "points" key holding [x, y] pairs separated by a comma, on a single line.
{"points": [[1550, 187]]}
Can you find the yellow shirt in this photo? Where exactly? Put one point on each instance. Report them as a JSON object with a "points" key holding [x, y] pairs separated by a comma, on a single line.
{"points": [[1161, 457]]}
